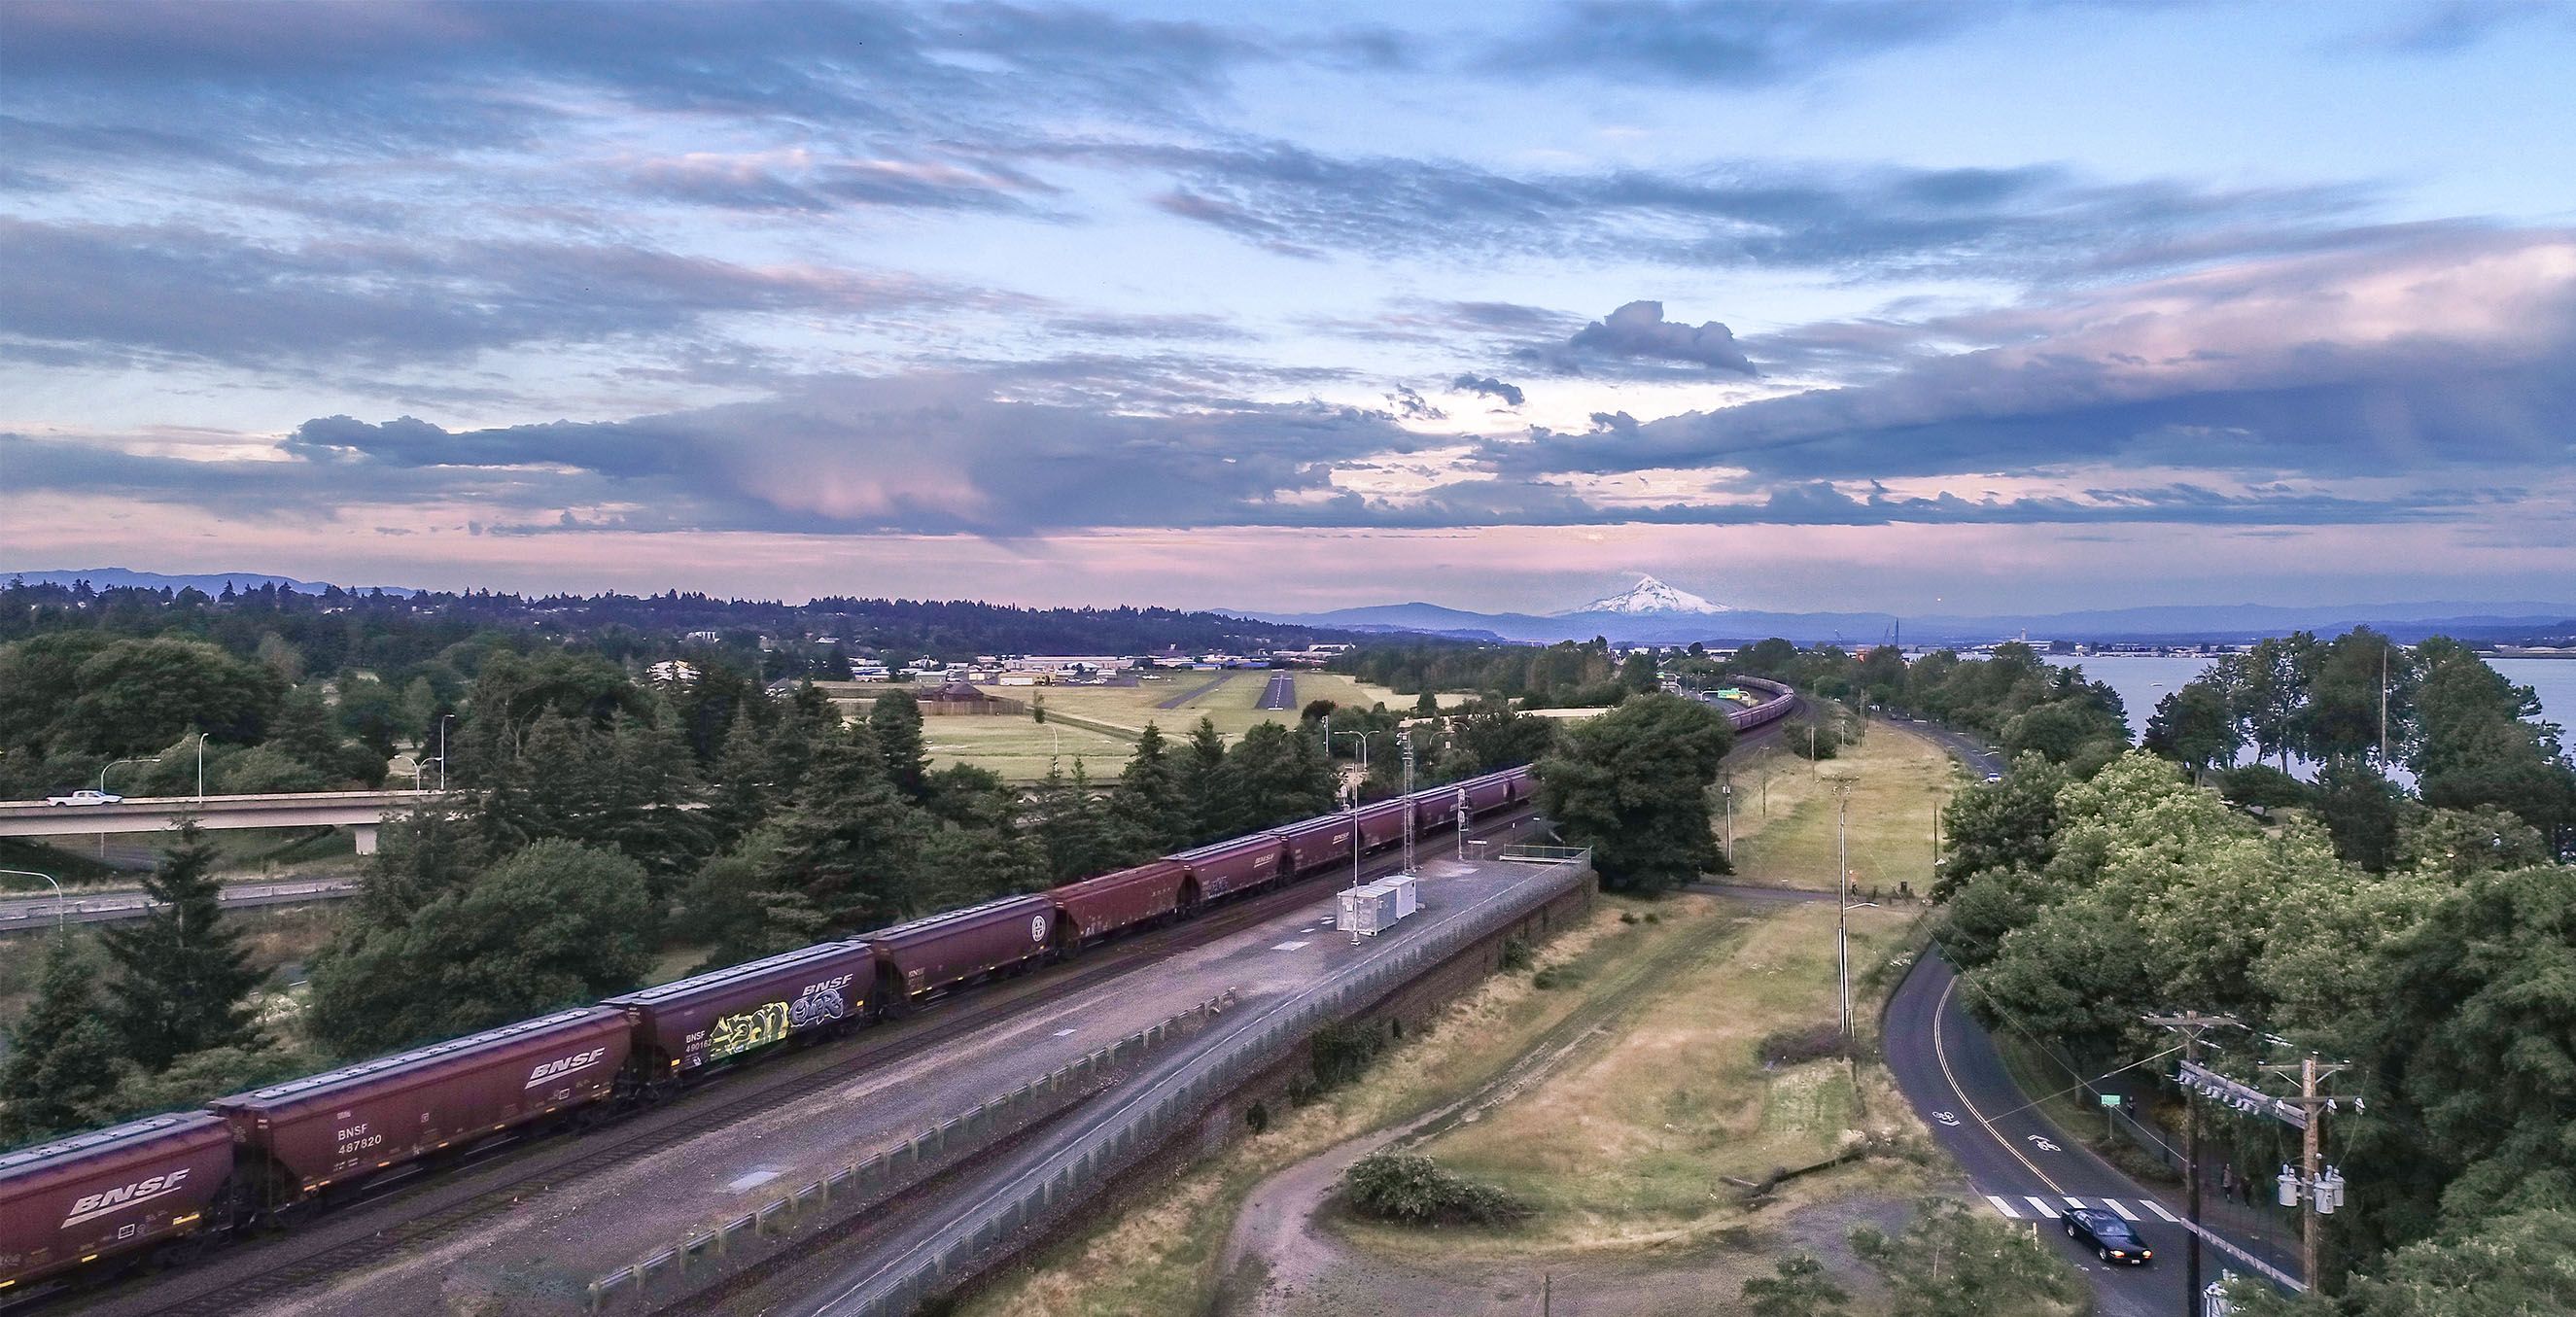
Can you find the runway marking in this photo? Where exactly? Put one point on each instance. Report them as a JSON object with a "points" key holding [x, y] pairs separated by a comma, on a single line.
{"points": [[1292, 946], [1941, 1053], [2003, 1207], [2043, 1205], [2159, 1209], [2125, 1213]]}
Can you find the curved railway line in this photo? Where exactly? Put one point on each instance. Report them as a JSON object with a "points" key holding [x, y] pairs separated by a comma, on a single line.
{"points": [[408, 1211]]}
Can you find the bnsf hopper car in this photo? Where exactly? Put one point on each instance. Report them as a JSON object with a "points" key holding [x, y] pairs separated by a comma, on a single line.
{"points": [[918, 958], [1234, 866], [110, 1194], [1382, 824], [305, 1135], [1100, 907], [154, 1185], [730, 1013], [1317, 842]]}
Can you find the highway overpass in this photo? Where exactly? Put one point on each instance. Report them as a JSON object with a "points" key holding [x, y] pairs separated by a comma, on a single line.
{"points": [[358, 811]]}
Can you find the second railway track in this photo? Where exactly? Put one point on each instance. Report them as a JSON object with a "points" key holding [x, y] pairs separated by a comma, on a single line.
{"points": [[418, 1210]]}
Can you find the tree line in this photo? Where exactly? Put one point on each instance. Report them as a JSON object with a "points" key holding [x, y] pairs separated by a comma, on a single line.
{"points": [[2424, 935], [600, 824]]}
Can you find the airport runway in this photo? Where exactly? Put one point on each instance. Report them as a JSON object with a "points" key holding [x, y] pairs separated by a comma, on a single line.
{"points": [[1282, 693]]}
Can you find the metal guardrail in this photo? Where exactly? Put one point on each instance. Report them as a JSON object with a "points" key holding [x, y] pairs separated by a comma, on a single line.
{"points": [[902, 1165], [1581, 855], [1149, 1111]]}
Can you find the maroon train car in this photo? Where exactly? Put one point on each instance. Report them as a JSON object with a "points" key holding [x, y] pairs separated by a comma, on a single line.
{"points": [[1095, 908], [1317, 842], [306, 1134], [109, 1194], [1234, 866], [918, 958], [723, 1014], [1382, 824]]}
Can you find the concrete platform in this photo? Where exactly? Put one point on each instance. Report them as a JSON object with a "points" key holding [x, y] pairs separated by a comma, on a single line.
{"points": [[538, 1257]]}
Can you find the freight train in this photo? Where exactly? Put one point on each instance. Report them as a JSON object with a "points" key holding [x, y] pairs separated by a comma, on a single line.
{"points": [[164, 1186]]}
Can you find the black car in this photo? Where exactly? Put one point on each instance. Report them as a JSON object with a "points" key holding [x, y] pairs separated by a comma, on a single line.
{"points": [[2108, 1236]]}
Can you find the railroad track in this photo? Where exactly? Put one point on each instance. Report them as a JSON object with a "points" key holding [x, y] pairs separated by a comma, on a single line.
{"points": [[451, 1194]]}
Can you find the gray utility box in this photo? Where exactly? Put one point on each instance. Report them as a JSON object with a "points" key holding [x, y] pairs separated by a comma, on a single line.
{"points": [[1369, 910], [1407, 895]]}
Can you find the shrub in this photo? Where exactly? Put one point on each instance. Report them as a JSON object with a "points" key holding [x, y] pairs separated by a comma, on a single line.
{"points": [[1515, 956], [1799, 1044], [1413, 1190], [1342, 1050]]}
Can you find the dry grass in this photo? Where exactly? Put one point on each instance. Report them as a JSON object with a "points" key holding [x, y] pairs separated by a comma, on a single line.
{"points": [[1156, 1254], [1898, 780], [1630, 1144]]}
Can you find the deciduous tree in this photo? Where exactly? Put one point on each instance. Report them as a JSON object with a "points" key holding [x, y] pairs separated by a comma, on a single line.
{"points": [[1633, 785]]}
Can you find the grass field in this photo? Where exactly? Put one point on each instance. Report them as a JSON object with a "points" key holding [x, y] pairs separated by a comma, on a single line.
{"points": [[1898, 781], [1622, 1146], [1631, 1143], [1106, 718]]}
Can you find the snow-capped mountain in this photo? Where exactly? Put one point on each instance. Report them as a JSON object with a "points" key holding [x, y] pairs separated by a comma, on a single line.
{"points": [[1649, 595]]}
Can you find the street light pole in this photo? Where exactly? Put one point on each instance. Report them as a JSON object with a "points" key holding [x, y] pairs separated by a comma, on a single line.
{"points": [[60, 915], [1842, 902], [443, 720], [201, 768]]}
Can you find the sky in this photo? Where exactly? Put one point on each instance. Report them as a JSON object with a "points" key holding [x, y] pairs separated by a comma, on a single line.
{"points": [[1919, 307]]}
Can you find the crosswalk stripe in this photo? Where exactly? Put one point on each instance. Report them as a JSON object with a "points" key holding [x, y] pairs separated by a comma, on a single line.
{"points": [[2042, 1204], [2114, 1205], [2159, 1209], [2003, 1207], [2074, 1202]]}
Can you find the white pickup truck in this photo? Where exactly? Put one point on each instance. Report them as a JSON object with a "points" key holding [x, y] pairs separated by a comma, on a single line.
{"points": [[85, 797]]}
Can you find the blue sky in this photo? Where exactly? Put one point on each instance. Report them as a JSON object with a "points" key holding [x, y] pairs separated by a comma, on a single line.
{"points": [[1950, 307]]}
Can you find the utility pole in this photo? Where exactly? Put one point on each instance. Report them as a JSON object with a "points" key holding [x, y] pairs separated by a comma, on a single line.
{"points": [[2383, 703], [2191, 1025], [1726, 788], [2320, 1186], [1404, 745], [1842, 900]]}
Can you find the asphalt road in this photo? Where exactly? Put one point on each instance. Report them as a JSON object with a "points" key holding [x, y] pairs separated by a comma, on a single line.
{"points": [[2025, 1168], [1981, 759], [24, 912], [1282, 692]]}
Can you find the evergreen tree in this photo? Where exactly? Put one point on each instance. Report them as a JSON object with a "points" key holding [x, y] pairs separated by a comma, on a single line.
{"points": [[61, 1069], [895, 720], [183, 979], [1271, 776], [419, 858], [961, 866], [1151, 806], [851, 843], [1428, 706], [1202, 765], [1071, 827], [741, 787], [728, 907]]}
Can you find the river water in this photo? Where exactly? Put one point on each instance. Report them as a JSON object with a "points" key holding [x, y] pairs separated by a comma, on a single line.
{"points": [[2143, 680]]}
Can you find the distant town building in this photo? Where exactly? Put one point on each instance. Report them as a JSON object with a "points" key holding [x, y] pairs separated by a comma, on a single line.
{"points": [[672, 672]]}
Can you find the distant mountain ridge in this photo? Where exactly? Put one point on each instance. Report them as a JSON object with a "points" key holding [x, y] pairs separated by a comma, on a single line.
{"points": [[2179, 623], [119, 578]]}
